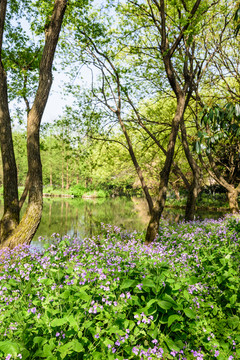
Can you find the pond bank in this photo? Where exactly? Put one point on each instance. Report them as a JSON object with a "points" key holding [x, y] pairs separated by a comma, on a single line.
{"points": [[58, 195]]}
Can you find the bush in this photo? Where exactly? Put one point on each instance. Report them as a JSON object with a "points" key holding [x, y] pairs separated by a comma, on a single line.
{"points": [[77, 190]]}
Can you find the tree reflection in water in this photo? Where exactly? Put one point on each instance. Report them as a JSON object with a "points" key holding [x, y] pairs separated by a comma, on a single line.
{"points": [[83, 218]]}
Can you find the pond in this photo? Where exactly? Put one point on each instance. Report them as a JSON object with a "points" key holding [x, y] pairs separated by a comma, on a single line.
{"points": [[83, 218]]}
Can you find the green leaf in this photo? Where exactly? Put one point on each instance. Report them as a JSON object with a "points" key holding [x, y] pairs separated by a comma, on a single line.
{"points": [[233, 321], [172, 345], [65, 349], [59, 322], [193, 280], [190, 313], [47, 350], [197, 147], [128, 283], [186, 295], [166, 305], [233, 299], [150, 302], [13, 282], [211, 114], [39, 340], [65, 294], [148, 283], [169, 299], [9, 347], [173, 318], [72, 322], [83, 295]]}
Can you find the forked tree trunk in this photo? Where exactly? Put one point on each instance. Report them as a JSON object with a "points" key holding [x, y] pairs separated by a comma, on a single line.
{"points": [[153, 226], [180, 92], [25, 231]]}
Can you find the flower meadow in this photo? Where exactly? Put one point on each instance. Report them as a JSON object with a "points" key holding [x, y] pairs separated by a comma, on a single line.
{"points": [[112, 297]]}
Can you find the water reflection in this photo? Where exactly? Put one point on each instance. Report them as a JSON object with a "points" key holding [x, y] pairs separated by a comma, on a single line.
{"points": [[82, 218]]}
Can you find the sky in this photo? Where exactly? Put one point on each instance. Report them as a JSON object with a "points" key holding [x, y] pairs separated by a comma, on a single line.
{"points": [[57, 101]]}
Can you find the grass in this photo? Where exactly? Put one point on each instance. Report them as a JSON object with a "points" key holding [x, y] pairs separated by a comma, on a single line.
{"points": [[112, 297]]}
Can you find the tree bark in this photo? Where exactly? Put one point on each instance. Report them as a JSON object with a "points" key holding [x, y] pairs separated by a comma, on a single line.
{"points": [[67, 173], [192, 199], [233, 200], [196, 171], [10, 217], [25, 231]]}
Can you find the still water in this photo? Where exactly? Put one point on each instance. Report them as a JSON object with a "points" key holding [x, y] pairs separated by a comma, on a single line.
{"points": [[83, 218]]}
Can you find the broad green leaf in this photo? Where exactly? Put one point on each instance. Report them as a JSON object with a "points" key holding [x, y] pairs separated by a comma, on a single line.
{"points": [[233, 321], [9, 347], [197, 147], [190, 313], [148, 283], [166, 305], [72, 322], [128, 283], [233, 299], [173, 318], [65, 294], [186, 295], [172, 345], [83, 295], [59, 322], [193, 280], [169, 299]]}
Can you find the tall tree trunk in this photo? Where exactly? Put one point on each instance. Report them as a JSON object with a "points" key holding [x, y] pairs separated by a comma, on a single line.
{"points": [[25, 231], [194, 189], [67, 181], [10, 217], [233, 200], [63, 157], [153, 226], [192, 199], [50, 180]]}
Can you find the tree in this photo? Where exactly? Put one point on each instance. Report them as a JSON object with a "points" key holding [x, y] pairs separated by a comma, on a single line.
{"points": [[216, 104], [159, 51], [12, 232], [218, 146]]}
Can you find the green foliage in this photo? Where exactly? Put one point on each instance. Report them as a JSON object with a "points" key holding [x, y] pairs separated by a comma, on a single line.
{"points": [[237, 19], [81, 191], [219, 138], [78, 190], [113, 297]]}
